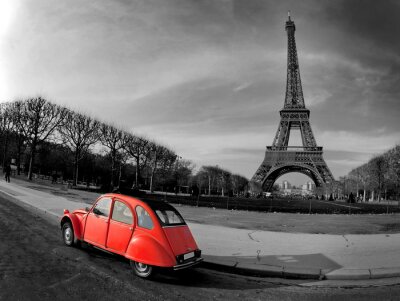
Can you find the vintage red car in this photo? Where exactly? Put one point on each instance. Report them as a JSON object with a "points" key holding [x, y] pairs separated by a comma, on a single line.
{"points": [[150, 234]]}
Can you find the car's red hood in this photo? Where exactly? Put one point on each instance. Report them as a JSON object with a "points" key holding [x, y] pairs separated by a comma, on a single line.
{"points": [[180, 239]]}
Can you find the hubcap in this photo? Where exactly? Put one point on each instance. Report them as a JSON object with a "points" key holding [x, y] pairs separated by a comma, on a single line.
{"points": [[141, 267], [68, 235]]}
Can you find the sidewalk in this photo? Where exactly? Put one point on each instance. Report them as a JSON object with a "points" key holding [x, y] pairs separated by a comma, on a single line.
{"points": [[297, 255]]}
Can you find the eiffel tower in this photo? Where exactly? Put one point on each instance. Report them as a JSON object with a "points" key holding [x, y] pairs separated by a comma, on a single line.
{"points": [[281, 158]]}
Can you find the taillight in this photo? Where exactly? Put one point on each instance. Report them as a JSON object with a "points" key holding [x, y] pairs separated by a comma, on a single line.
{"points": [[179, 259]]}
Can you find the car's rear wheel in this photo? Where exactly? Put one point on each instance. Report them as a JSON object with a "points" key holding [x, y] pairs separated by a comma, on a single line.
{"points": [[141, 269], [68, 234]]}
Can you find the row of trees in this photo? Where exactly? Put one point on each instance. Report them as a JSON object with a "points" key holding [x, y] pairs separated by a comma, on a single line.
{"points": [[217, 181], [378, 178], [46, 138]]}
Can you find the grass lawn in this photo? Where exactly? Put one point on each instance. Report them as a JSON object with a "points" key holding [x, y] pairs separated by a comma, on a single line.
{"points": [[286, 205]]}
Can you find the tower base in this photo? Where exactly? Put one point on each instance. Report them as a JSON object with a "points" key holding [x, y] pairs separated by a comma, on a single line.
{"points": [[279, 161]]}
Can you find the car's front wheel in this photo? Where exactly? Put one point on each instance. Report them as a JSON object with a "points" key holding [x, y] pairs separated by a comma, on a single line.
{"points": [[68, 234], [141, 269]]}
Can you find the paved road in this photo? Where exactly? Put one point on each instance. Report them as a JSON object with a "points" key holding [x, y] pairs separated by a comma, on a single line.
{"points": [[35, 265]]}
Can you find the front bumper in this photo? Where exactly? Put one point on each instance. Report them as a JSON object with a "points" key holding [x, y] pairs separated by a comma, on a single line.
{"points": [[188, 264]]}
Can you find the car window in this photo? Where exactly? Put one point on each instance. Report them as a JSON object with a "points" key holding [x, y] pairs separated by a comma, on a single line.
{"points": [[122, 213], [144, 219], [169, 217], [102, 207]]}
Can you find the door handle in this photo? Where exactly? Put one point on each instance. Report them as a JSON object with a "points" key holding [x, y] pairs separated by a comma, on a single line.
{"points": [[131, 228], [106, 222]]}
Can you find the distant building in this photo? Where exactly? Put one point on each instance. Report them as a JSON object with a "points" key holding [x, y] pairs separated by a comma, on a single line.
{"points": [[286, 185], [288, 189], [307, 188]]}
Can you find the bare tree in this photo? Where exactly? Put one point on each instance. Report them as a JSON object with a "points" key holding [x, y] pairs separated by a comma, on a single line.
{"points": [[202, 180], [378, 168], [16, 112], [160, 158], [363, 177], [393, 160], [137, 148], [166, 167], [239, 183], [219, 179], [79, 132], [39, 119], [114, 140], [6, 127], [183, 171], [212, 173]]}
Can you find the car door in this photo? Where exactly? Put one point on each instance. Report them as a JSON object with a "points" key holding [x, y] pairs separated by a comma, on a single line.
{"points": [[121, 227], [97, 222]]}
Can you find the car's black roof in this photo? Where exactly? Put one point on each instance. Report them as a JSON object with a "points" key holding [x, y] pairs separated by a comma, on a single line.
{"points": [[140, 195]]}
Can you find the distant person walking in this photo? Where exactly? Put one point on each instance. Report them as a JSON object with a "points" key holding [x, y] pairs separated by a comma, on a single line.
{"points": [[7, 172]]}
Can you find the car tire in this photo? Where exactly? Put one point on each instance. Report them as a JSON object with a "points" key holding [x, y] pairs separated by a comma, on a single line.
{"points": [[68, 234], [142, 270]]}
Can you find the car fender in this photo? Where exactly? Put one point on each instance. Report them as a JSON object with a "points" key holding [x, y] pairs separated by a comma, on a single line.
{"points": [[76, 225], [145, 249]]}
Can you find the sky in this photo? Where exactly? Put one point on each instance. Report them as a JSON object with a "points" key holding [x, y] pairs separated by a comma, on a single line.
{"points": [[207, 78]]}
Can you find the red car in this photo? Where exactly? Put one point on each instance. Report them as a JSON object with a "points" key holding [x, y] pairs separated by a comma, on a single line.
{"points": [[148, 233]]}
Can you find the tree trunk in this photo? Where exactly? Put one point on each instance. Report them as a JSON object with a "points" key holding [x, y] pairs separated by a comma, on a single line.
{"points": [[357, 190], [153, 171], [113, 155], [136, 173], [5, 149], [209, 185], [151, 180], [19, 145], [31, 161], [76, 168], [120, 174]]}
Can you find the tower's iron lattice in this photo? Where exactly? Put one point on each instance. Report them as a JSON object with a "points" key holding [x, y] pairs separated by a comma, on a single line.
{"points": [[281, 158]]}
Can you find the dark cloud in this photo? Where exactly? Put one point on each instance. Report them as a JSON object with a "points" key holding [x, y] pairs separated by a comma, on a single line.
{"points": [[374, 21], [213, 66]]}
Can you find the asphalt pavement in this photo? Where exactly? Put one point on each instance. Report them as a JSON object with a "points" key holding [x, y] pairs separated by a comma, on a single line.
{"points": [[264, 253]]}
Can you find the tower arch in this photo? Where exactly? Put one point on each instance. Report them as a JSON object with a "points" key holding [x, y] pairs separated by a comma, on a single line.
{"points": [[279, 171]]}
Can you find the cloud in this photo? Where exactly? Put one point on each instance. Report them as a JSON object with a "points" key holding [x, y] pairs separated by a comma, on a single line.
{"points": [[369, 143], [208, 77]]}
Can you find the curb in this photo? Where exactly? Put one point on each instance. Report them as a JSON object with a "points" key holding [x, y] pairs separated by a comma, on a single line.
{"points": [[235, 267], [363, 274]]}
